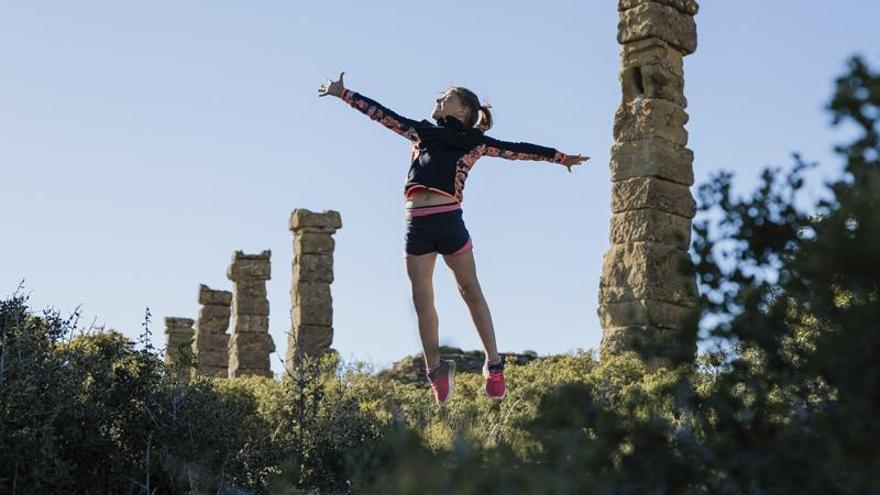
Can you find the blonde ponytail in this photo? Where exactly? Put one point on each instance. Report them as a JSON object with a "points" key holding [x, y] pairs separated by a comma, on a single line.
{"points": [[484, 119]]}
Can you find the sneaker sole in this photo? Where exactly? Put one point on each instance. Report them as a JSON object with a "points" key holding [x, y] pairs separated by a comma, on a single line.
{"points": [[493, 397], [451, 382]]}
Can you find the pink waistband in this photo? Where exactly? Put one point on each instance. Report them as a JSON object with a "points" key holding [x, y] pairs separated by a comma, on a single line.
{"points": [[430, 210]]}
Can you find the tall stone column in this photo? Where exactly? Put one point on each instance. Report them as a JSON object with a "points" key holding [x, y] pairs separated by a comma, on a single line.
{"points": [[312, 304], [179, 335], [211, 344], [647, 287], [251, 344]]}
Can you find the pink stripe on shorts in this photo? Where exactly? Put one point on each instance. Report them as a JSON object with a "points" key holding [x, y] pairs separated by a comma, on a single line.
{"points": [[430, 210]]}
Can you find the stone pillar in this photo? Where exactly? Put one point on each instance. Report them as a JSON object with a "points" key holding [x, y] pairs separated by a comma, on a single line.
{"points": [[647, 285], [179, 335], [312, 304], [251, 344], [211, 345]]}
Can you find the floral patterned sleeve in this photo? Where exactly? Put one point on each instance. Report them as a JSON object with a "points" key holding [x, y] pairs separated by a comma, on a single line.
{"points": [[520, 151], [376, 111]]}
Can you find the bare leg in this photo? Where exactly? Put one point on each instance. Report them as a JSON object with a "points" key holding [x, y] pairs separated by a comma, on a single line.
{"points": [[421, 272], [464, 269]]}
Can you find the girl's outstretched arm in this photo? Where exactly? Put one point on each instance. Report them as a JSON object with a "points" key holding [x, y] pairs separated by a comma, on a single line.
{"points": [[381, 114], [528, 151], [373, 109]]}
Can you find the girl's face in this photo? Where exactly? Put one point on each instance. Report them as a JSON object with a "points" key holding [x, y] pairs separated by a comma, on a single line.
{"points": [[450, 105]]}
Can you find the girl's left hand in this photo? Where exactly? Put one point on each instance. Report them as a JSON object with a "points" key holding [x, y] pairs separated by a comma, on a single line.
{"points": [[332, 87], [571, 160]]}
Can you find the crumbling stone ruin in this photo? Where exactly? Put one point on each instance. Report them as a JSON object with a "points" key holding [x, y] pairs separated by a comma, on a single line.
{"points": [[211, 344], [312, 311], [645, 289], [179, 336], [251, 344]]}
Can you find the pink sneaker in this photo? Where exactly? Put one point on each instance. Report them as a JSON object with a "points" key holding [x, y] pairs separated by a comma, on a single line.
{"points": [[494, 375], [442, 380]]}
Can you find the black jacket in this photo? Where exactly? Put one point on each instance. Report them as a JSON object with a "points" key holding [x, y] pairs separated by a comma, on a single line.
{"points": [[443, 155]]}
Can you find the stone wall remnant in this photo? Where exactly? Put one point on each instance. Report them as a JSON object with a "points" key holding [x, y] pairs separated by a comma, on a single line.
{"points": [[250, 344], [211, 343], [312, 304], [179, 336], [647, 287]]}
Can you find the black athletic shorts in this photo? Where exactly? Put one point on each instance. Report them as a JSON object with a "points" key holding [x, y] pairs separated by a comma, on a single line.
{"points": [[436, 228]]}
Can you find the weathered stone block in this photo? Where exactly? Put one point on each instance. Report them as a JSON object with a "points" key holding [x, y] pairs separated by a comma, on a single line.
{"points": [[173, 324], [684, 6], [314, 337], [249, 354], [209, 341], [176, 340], [657, 76], [250, 289], [214, 297], [244, 343], [655, 20], [250, 266], [213, 311], [653, 51], [650, 81], [212, 358], [647, 270], [642, 118], [311, 293], [179, 336], [251, 324], [312, 304], [652, 69], [651, 192], [328, 221], [250, 306], [642, 313], [313, 243], [249, 367], [652, 157], [312, 314], [253, 353], [651, 225], [213, 319], [312, 340], [313, 268]]}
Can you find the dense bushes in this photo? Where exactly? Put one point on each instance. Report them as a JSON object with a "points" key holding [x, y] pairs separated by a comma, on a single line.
{"points": [[784, 401], [104, 415]]}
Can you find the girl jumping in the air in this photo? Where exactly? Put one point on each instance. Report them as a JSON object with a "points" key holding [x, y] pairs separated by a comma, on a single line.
{"points": [[442, 155]]}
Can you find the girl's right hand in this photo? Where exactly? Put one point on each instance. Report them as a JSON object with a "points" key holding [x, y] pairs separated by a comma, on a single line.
{"points": [[332, 87]]}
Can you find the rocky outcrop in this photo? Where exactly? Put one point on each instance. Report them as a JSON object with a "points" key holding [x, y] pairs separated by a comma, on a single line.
{"points": [[411, 369]]}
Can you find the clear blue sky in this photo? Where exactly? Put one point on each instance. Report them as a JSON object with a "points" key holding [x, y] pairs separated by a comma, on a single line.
{"points": [[141, 143]]}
